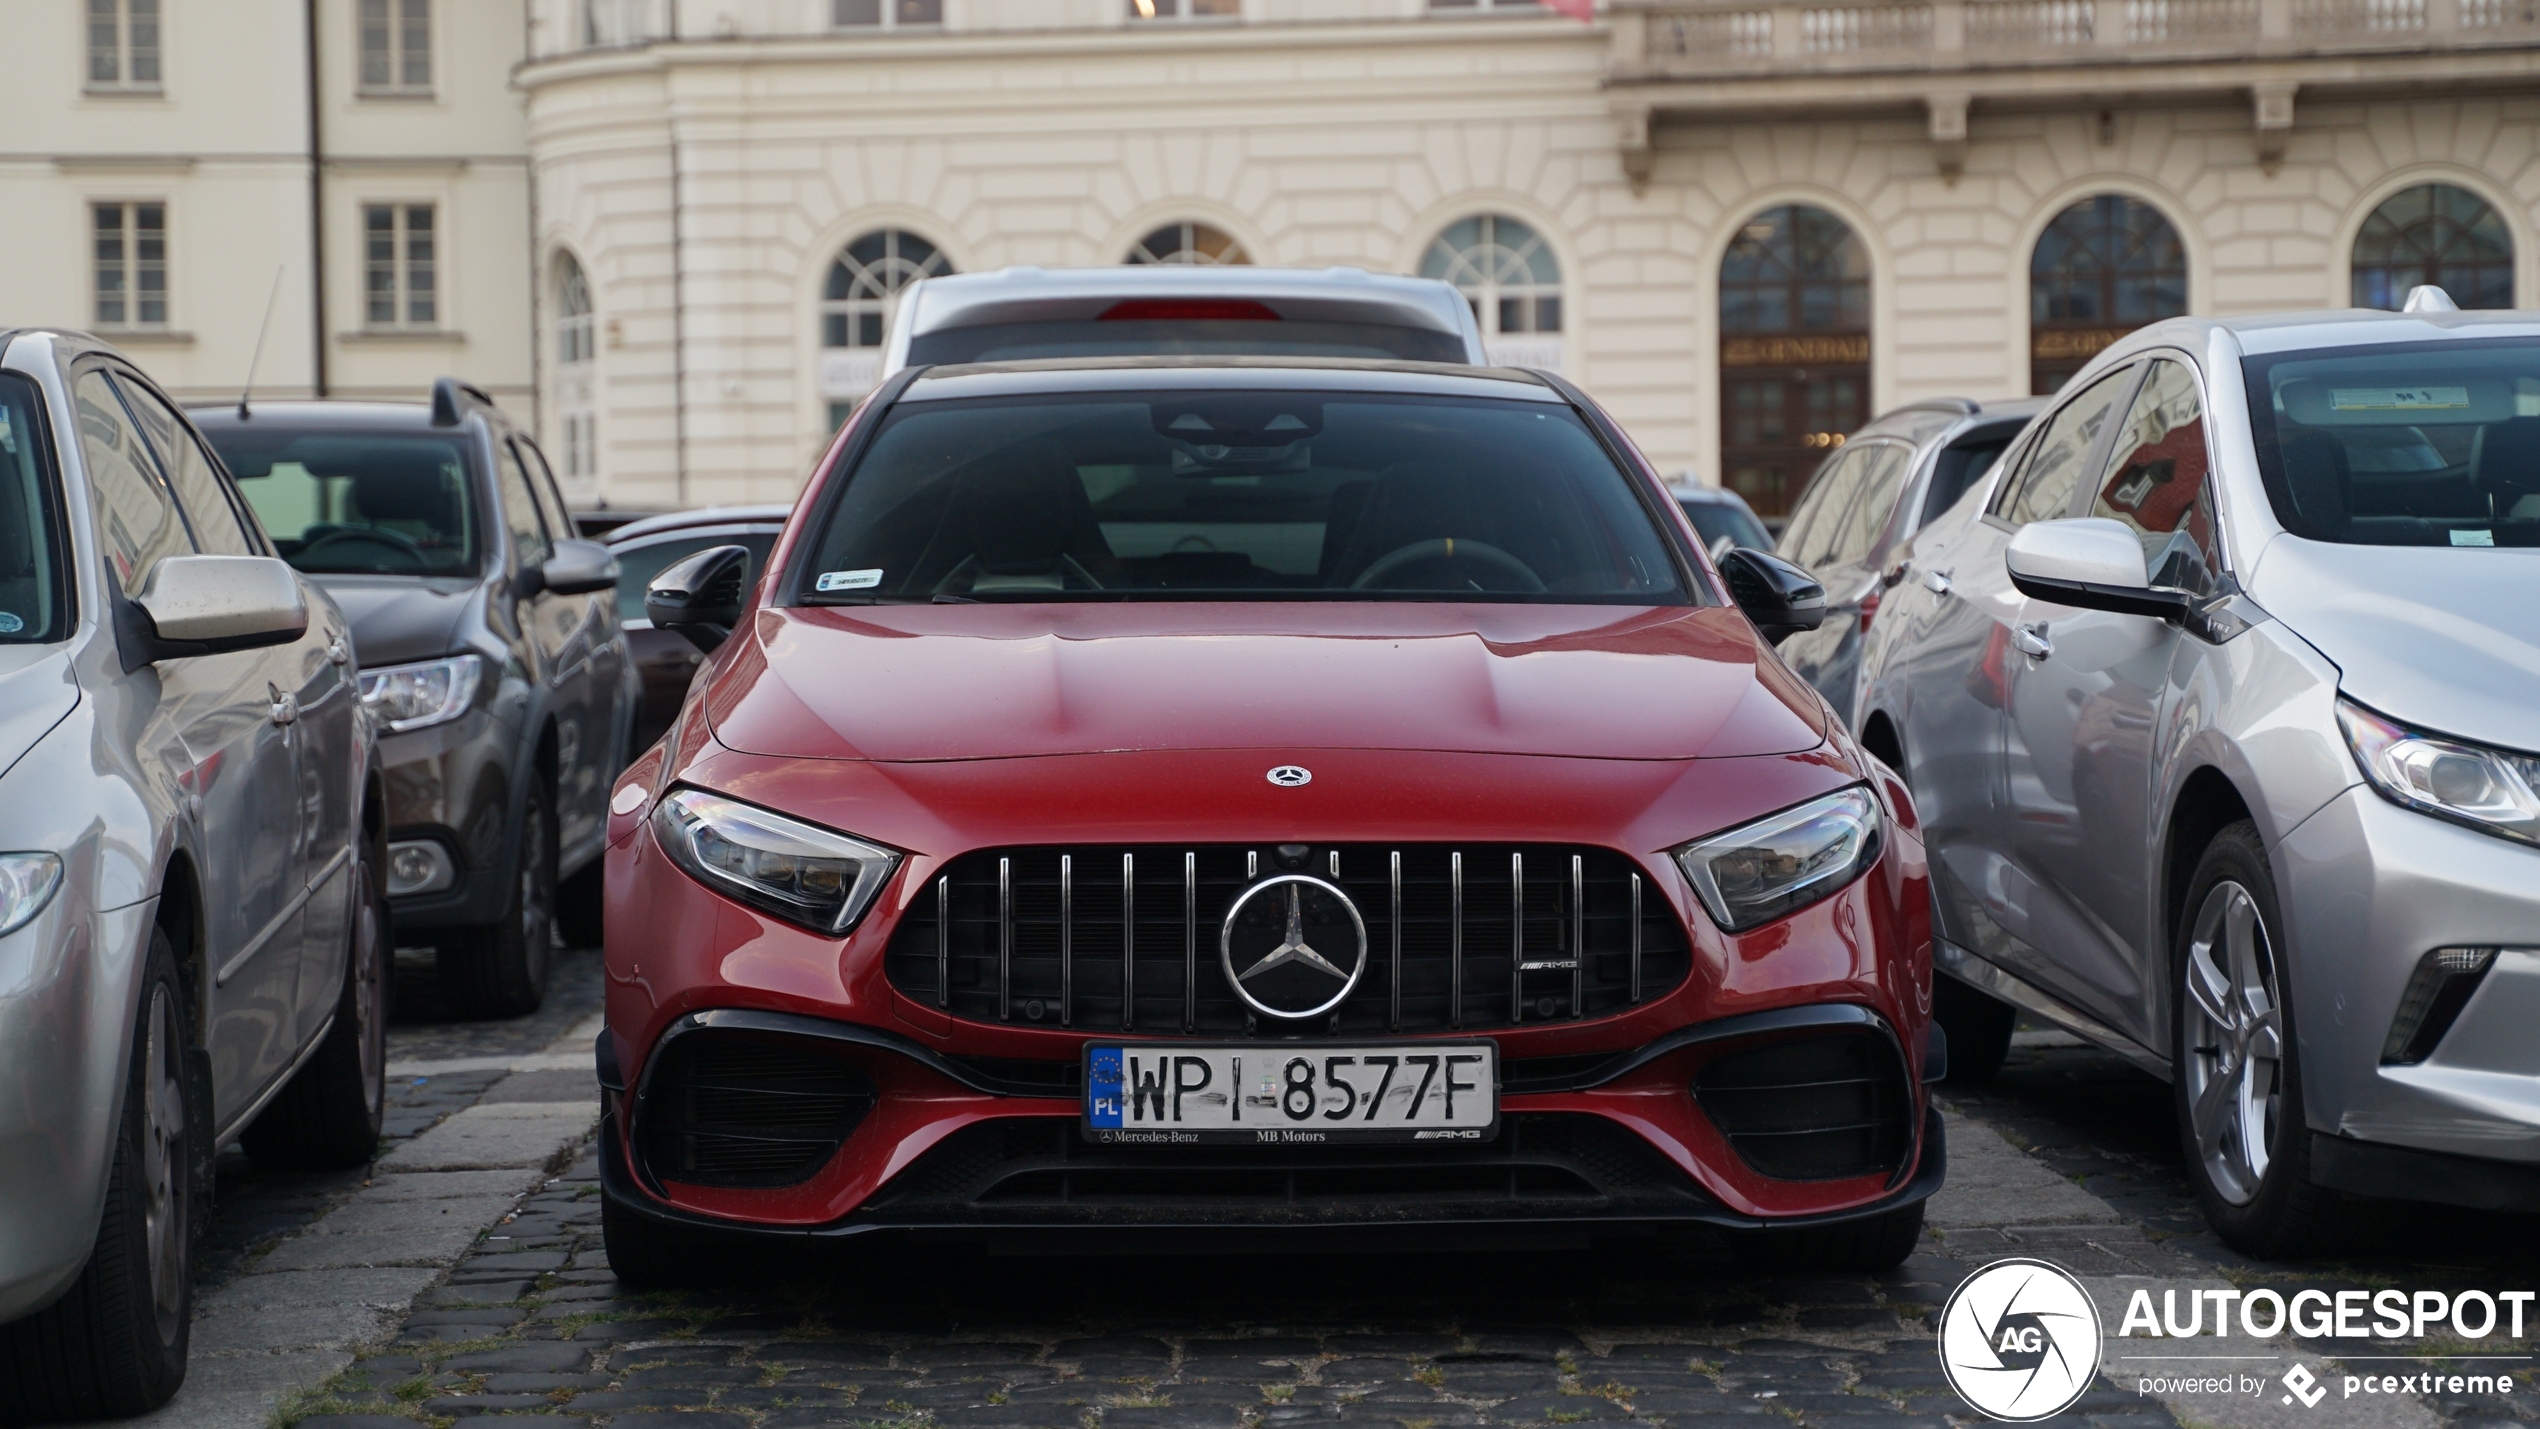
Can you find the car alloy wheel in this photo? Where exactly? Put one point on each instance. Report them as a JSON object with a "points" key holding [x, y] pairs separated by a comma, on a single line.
{"points": [[164, 1168], [2236, 1043]]}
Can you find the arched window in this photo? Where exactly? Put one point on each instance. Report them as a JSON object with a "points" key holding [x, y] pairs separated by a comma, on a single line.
{"points": [[1507, 272], [855, 310], [2106, 266], [575, 389], [1200, 244], [2434, 233], [1794, 350]]}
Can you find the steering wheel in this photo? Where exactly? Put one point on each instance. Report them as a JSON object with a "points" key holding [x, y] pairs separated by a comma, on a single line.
{"points": [[1449, 548], [397, 541]]}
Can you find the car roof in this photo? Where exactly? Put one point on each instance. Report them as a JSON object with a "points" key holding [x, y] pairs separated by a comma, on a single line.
{"points": [[1027, 294], [763, 514], [322, 416], [1275, 374], [2265, 334]]}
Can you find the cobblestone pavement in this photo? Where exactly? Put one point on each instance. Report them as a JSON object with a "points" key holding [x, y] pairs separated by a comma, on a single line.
{"points": [[2068, 1156], [253, 1209]]}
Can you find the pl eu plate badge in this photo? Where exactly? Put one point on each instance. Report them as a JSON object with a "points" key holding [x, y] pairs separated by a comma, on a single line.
{"points": [[1102, 1089]]}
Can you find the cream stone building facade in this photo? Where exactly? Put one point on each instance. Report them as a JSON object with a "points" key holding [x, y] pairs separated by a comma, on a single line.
{"points": [[674, 227], [707, 166], [161, 162]]}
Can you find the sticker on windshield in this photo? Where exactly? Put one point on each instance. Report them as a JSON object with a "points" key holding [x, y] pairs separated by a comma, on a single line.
{"points": [[10, 624], [850, 580], [2473, 538], [2398, 399]]}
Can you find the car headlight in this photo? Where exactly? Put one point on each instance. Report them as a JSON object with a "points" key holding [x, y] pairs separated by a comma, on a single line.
{"points": [[1755, 873], [404, 697], [2487, 789], [27, 881], [800, 872]]}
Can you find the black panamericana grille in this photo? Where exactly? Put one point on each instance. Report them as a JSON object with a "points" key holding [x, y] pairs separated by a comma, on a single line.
{"points": [[1126, 938], [1039, 1170], [1814, 1109], [747, 1109]]}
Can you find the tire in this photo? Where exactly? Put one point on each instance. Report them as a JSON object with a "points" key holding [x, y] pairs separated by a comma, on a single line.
{"points": [[1871, 1246], [500, 970], [2235, 1071], [115, 1344], [1979, 1027], [646, 1254], [328, 1119], [578, 907]]}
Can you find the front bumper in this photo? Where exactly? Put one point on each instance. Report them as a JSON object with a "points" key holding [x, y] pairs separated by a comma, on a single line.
{"points": [[955, 1146], [2369, 888], [452, 785]]}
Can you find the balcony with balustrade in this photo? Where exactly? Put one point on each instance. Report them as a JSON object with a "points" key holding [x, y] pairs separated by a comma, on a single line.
{"points": [[1690, 59]]}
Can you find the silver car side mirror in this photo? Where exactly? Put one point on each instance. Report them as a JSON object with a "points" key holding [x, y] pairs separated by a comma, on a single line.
{"points": [[579, 567], [2089, 563], [209, 605]]}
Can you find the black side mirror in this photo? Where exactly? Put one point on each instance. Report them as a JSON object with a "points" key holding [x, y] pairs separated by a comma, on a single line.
{"points": [[700, 597], [578, 568], [1779, 597]]}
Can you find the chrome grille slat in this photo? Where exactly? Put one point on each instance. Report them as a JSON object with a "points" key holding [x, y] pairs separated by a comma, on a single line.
{"points": [[1635, 939], [999, 941]]}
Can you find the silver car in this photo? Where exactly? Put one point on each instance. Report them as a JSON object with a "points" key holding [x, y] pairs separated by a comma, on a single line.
{"points": [[2222, 709], [1850, 525], [191, 934]]}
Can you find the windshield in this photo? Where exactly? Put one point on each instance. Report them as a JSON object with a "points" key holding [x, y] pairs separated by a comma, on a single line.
{"points": [[33, 607], [2422, 444], [341, 503], [1719, 521], [1232, 495], [1182, 337]]}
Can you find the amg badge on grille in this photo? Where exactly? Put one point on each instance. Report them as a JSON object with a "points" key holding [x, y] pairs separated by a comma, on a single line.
{"points": [[1268, 946], [1290, 776]]}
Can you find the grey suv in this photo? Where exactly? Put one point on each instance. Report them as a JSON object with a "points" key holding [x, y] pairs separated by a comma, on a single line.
{"points": [[191, 821], [1892, 478], [491, 659]]}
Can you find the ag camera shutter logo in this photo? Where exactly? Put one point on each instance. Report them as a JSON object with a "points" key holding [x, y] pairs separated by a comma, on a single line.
{"points": [[2019, 1340]]}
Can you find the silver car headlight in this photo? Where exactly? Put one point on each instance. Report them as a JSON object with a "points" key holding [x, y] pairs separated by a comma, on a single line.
{"points": [[2488, 789], [27, 881], [800, 872], [404, 697], [1758, 872]]}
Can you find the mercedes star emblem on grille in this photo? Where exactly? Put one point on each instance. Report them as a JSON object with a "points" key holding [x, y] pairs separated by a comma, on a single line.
{"points": [[1267, 946], [1289, 776]]}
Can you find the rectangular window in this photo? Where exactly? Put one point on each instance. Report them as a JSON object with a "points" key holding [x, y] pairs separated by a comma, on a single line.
{"points": [[400, 266], [130, 250], [396, 37], [123, 44], [1185, 9], [1485, 4], [884, 14]]}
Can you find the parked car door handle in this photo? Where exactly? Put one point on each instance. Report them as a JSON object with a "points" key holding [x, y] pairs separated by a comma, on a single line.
{"points": [[2032, 641], [337, 652], [285, 708], [1937, 582], [1893, 574]]}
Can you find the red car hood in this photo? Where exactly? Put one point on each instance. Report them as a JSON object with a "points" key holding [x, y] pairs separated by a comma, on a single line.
{"points": [[997, 681]]}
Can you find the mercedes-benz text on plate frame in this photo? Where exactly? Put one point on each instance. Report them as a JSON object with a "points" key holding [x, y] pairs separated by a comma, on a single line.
{"points": [[1174, 1094], [1291, 776]]}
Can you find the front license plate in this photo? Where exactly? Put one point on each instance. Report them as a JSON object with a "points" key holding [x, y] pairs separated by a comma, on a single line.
{"points": [[1173, 1094]]}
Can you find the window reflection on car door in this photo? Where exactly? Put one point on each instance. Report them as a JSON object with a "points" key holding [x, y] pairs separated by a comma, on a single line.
{"points": [[1838, 546], [589, 677], [2079, 743], [222, 731], [1959, 683]]}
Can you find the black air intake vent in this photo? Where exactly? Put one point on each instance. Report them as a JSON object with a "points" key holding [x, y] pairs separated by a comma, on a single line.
{"points": [[1125, 939], [747, 1109], [1815, 1109]]}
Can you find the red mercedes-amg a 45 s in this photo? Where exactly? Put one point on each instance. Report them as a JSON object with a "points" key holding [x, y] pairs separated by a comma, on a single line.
{"points": [[1264, 799]]}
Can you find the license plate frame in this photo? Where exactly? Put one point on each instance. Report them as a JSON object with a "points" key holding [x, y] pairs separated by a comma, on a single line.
{"points": [[1114, 1111]]}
